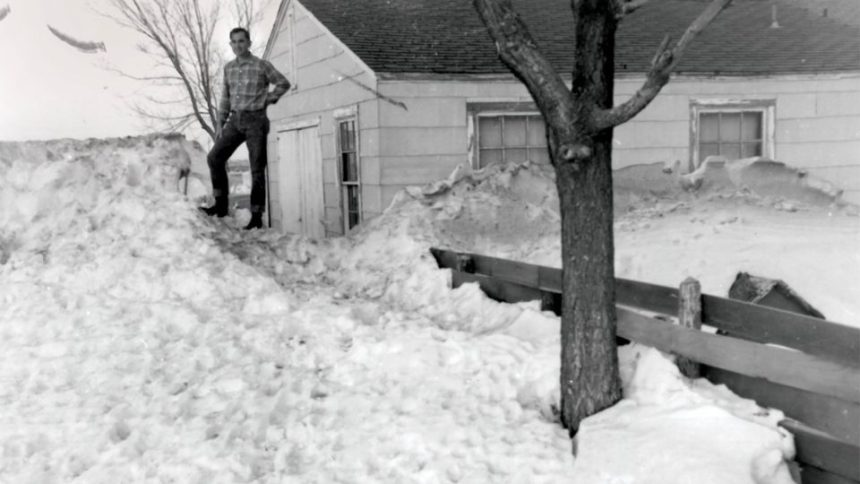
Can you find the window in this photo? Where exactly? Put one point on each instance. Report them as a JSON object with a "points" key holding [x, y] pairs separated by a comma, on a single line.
{"points": [[349, 169], [733, 135], [740, 130], [505, 133]]}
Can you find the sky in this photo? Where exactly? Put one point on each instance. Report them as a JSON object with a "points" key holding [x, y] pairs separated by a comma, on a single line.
{"points": [[50, 90]]}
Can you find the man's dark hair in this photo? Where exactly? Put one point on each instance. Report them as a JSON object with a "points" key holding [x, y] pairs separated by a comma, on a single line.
{"points": [[240, 29]]}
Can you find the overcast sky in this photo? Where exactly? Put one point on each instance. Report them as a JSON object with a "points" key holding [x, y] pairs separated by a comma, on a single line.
{"points": [[49, 89]]}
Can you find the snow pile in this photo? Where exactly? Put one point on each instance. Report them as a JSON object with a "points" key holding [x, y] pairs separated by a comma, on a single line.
{"points": [[144, 342], [788, 232], [723, 439], [128, 333], [388, 261]]}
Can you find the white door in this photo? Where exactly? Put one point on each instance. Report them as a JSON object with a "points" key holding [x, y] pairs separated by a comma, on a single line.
{"points": [[301, 182]]}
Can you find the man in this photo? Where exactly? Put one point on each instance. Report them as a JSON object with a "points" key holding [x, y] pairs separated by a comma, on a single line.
{"points": [[242, 118]]}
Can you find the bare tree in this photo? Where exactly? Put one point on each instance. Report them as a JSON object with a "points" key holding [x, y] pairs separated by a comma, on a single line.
{"points": [[180, 37], [580, 121]]}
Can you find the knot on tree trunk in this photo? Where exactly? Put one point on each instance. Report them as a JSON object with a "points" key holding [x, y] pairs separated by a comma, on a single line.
{"points": [[574, 152]]}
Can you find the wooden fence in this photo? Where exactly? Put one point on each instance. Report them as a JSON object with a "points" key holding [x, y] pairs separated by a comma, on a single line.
{"points": [[807, 367]]}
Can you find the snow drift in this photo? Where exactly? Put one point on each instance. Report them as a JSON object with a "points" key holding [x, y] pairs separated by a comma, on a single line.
{"points": [[144, 342]]}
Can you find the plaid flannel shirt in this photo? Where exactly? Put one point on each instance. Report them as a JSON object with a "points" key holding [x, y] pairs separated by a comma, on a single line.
{"points": [[246, 85]]}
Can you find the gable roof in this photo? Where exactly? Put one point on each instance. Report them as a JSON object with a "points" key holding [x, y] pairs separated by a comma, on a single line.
{"points": [[447, 36]]}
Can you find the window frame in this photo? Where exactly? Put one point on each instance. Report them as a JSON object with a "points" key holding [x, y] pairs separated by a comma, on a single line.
{"points": [[477, 110], [343, 185], [766, 107]]}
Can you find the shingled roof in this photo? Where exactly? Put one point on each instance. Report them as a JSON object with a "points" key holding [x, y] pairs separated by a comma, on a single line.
{"points": [[447, 36]]}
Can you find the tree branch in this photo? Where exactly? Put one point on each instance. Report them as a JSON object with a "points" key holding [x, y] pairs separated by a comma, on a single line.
{"points": [[662, 66], [179, 37], [519, 52], [626, 7]]}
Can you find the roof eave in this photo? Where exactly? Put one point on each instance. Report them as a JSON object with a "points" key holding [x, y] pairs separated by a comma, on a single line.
{"points": [[279, 18], [501, 76]]}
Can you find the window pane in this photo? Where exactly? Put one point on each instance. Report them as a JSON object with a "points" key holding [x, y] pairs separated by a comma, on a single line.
{"points": [[730, 126], [539, 155], [751, 149], [353, 219], [731, 151], [349, 167], [708, 149], [536, 131], [514, 131], [751, 126], [352, 207], [515, 155], [709, 127], [352, 198], [490, 132], [488, 157], [346, 136]]}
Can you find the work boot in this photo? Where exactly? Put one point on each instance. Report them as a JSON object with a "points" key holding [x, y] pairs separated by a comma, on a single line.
{"points": [[256, 221], [220, 209]]}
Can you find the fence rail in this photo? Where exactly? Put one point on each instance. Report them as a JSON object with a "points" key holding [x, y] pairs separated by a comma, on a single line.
{"points": [[807, 367]]}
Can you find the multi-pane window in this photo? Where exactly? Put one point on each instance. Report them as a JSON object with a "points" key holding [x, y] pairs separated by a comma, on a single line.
{"points": [[734, 134], [509, 138], [348, 156]]}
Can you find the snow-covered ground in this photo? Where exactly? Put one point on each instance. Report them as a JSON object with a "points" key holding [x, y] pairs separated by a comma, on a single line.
{"points": [[144, 343]]}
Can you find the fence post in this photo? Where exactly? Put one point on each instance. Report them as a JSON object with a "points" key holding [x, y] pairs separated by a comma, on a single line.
{"points": [[690, 316]]}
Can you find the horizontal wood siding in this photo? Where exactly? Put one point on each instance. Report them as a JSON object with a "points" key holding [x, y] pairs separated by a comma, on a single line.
{"points": [[416, 170], [415, 141], [816, 120], [321, 69]]}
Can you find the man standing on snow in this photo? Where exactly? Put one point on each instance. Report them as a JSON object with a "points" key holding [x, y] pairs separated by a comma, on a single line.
{"points": [[242, 118]]}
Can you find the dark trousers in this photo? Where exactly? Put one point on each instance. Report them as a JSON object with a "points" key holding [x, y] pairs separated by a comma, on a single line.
{"points": [[250, 127]]}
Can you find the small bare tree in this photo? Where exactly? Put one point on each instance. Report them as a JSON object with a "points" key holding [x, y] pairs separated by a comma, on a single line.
{"points": [[179, 35], [580, 121]]}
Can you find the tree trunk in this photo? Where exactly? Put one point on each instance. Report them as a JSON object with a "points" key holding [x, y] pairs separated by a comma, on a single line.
{"points": [[589, 369], [579, 134]]}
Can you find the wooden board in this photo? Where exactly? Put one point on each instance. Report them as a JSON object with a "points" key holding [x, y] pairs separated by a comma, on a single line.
{"points": [[753, 322], [496, 289], [834, 416], [791, 368], [824, 452], [445, 259], [651, 297], [768, 325], [812, 475]]}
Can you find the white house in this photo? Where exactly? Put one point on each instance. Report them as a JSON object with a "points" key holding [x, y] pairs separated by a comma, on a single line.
{"points": [[390, 93]]}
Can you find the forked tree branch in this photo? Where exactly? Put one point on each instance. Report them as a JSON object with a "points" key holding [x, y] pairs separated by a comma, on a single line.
{"points": [[519, 52], [662, 66]]}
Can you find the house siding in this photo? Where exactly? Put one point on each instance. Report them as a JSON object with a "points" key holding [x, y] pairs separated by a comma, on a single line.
{"points": [[319, 66], [816, 119], [414, 129]]}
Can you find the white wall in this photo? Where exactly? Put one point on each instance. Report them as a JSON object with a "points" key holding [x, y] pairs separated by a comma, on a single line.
{"points": [[319, 66], [817, 123]]}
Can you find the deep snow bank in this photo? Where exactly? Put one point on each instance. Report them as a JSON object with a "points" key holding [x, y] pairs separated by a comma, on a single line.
{"points": [[129, 334], [144, 342], [794, 231], [504, 208]]}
